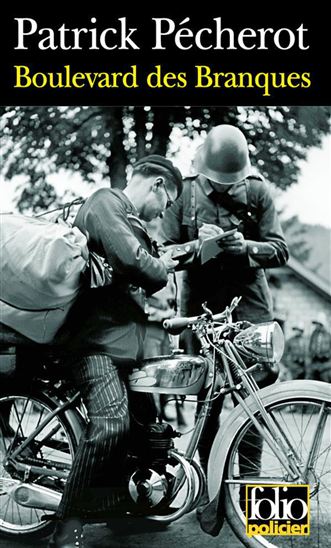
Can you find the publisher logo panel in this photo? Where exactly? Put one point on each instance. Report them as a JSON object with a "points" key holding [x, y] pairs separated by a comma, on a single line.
{"points": [[277, 510]]}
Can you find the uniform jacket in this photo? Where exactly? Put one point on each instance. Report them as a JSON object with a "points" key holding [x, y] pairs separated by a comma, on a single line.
{"points": [[107, 319], [219, 280]]}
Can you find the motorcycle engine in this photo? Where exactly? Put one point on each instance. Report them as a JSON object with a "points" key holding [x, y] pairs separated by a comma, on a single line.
{"points": [[149, 484]]}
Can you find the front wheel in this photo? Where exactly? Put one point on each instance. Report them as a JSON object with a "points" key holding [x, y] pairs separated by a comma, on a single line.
{"points": [[304, 425]]}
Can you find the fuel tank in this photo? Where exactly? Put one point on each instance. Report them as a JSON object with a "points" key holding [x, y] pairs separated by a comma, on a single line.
{"points": [[173, 374]]}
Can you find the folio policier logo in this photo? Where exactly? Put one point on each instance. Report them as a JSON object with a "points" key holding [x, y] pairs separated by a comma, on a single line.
{"points": [[277, 510]]}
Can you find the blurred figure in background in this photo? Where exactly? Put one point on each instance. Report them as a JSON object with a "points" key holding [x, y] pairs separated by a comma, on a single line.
{"points": [[161, 306], [295, 354], [320, 350]]}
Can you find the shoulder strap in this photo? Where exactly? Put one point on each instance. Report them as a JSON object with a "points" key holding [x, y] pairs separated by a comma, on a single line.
{"points": [[226, 201], [229, 203]]}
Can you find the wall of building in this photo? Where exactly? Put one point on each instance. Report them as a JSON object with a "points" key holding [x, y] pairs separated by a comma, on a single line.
{"points": [[295, 302]]}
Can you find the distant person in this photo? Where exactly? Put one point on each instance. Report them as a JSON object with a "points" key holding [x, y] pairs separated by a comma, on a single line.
{"points": [[295, 353], [161, 306], [320, 350]]}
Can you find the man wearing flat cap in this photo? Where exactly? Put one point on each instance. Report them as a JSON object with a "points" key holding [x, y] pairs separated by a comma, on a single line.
{"points": [[320, 349], [224, 195], [105, 335]]}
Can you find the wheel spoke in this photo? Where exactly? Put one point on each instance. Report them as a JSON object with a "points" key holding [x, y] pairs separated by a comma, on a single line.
{"points": [[54, 448]]}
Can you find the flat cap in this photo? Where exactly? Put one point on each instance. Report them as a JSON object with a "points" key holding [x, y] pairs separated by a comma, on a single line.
{"points": [[156, 159]]}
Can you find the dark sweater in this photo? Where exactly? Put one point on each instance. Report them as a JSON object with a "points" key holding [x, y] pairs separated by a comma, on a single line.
{"points": [[111, 319]]}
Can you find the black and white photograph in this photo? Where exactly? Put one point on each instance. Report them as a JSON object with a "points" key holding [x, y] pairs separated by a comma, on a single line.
{"points": [[165, 326]]}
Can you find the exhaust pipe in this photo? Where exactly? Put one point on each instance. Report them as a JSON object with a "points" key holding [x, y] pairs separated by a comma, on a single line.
{"points": [[36, 496]]}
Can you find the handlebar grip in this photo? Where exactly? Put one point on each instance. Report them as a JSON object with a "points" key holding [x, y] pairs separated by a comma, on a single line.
{"points": [[176, 325]]}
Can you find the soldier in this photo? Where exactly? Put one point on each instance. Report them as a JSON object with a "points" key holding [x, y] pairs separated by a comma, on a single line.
{"points": [[295, 353], [225, 195], [320, 350]]}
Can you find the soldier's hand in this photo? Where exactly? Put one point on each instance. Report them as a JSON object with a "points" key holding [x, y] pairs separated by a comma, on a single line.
{"points": [[209, 231], [234, 244], [168, 261]]}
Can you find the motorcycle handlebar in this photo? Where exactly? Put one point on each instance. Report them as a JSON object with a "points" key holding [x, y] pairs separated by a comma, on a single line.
{"points": [[176, 325]]}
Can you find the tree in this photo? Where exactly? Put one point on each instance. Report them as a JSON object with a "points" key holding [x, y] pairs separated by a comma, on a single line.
{"points": [[96, 140]]}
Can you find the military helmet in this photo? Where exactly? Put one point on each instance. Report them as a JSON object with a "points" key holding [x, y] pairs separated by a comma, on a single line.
{"points": [[223, 157]]}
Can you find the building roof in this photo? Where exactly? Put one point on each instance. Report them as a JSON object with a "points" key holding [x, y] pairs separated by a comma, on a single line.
{"points": [[310, 278]]}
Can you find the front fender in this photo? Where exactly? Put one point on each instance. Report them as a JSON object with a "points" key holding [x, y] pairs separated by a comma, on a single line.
{"points": [[237, 418]]}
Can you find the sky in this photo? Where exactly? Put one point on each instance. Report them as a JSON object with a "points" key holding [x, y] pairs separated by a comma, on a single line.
{"points": [[309, 199]]}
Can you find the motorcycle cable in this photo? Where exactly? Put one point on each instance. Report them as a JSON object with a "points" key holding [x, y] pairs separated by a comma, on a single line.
{"points": [[238, 370]]}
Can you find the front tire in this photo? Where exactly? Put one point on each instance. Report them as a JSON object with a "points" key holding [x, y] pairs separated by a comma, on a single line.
{"points": [[297, 416]]}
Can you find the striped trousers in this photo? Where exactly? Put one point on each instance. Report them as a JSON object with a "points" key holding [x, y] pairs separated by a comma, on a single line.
{"points": [[96, 480]]}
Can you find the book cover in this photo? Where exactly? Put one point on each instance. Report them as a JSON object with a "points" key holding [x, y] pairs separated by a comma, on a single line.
{"points": [[83, 97]]}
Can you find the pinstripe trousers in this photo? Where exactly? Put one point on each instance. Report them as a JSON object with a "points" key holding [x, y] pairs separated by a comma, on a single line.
{"points": [[96, 480]]}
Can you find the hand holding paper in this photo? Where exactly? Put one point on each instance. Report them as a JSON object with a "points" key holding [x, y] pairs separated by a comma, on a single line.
{"points": [[212, 247], [207, 231], [234, 244]]}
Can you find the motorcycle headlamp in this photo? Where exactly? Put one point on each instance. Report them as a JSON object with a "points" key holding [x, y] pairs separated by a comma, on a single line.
{"points": [[263, 342]]}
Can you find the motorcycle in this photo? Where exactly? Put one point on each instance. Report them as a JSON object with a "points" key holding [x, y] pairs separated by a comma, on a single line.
{"points": [[285, 425]]}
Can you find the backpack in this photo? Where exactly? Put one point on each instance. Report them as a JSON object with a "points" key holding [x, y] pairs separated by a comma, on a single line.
{"points": [[43, 265]]}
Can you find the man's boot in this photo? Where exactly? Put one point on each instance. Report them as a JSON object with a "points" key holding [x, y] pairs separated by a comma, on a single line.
{"points": [[68, 534]]}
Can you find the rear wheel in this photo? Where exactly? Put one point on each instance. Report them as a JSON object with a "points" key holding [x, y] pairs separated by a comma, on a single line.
{"points": [[306, 424], [53, 448]]}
